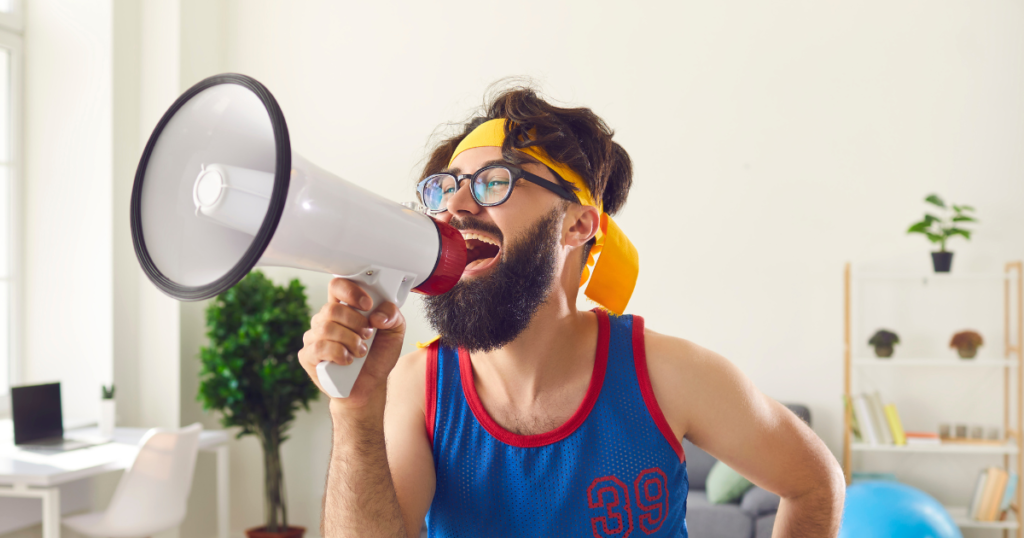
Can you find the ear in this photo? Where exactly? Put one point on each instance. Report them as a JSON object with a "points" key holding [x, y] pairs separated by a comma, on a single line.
{"points": [[581, 223]]}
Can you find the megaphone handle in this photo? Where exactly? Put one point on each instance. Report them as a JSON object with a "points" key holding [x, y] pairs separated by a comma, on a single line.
{"points": [[382, 285]]}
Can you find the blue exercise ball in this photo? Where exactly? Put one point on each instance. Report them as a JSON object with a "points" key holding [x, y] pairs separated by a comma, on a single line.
{"points": [[894, 510]]}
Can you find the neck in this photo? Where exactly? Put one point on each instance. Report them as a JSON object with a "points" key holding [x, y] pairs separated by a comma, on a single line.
{"points": [[555, 349]]}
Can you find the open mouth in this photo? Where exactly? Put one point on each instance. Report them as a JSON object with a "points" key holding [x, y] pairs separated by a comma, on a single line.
{"points": [[481, 251]]}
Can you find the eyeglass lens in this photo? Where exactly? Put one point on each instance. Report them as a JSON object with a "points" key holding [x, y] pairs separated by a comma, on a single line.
{"points": [[488, 187]]}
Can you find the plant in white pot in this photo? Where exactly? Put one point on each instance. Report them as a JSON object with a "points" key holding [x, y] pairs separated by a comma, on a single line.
{"points": [[108, 412]]}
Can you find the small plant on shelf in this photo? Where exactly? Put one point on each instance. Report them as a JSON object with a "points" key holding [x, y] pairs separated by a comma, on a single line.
{"points": [[883, 341], [966, 343], [940, 229]]}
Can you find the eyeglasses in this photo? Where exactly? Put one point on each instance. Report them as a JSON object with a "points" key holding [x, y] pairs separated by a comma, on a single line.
{"points": [[490, 186]]}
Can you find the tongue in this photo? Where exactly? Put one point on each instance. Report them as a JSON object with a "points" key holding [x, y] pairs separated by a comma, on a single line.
{"points": [[478, 263]]}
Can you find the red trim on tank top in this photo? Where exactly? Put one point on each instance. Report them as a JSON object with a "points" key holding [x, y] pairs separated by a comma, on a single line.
{"points": [[559, 433], [642, 375], [431, 407]]}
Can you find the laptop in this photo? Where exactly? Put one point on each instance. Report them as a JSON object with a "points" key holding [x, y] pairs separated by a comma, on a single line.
{"points": [[38, 422]]}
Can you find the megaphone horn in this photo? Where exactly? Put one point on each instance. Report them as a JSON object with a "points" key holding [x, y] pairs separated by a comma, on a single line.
{"points": [[219, 191]]}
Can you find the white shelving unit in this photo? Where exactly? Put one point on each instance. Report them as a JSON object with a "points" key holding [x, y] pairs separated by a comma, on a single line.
{"points": [[1011, 367], [944, 448], [959, 515], [951, 362]]}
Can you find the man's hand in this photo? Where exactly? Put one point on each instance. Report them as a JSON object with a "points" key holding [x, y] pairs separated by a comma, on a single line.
{"points": [[359, 499], [337, 332]]}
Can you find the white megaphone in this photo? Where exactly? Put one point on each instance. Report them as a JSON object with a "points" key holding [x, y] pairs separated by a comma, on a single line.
{"points": [[219, 190]]}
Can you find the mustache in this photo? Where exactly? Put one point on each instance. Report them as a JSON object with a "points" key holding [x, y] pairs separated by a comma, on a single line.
{"points": [[473, 223]]}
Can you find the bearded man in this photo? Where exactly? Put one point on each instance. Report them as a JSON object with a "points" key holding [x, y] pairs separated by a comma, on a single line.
{"points": [[529, 417]]}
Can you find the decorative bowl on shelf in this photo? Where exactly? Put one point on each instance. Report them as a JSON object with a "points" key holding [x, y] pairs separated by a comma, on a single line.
{"points": [[966, 344]]}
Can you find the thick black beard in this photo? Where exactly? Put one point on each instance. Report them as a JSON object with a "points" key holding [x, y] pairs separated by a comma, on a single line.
{"points": [[490, 311]]}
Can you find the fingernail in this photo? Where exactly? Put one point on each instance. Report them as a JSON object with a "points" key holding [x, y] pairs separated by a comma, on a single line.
{"points": [[381, 318], [365, 303], [367, 333], [362, 349]]}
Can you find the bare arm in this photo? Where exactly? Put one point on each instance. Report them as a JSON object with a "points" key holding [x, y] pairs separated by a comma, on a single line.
{"points": [[360, 498], [710, 401]]}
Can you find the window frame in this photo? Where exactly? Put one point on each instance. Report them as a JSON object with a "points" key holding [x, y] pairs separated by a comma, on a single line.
{"points": [[11, 27]]}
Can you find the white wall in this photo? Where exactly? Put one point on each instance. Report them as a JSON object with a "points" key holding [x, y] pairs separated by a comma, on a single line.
{"points": [[772, 142], [67, 214]]}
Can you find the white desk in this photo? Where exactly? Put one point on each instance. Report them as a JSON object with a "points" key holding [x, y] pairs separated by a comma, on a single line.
{"points": [[35, 475]]}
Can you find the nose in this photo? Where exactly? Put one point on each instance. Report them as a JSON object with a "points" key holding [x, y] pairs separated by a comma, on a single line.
{"points": [[462, 202]]}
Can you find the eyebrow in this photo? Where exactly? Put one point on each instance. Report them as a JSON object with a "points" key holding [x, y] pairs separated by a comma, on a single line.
{"points": [[455, 170]]}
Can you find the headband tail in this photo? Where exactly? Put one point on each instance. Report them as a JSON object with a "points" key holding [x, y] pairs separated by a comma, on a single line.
{"points": [[615, 273]]}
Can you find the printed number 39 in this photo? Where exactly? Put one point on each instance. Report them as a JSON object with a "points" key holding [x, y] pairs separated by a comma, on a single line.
{"points": [[609, 493]]}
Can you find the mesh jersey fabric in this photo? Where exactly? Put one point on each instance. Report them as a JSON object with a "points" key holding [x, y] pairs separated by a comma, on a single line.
{"points": [[614, 469]]}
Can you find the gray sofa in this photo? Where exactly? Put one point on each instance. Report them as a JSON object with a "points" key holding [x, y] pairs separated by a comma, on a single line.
{"points": [[753, 516]]}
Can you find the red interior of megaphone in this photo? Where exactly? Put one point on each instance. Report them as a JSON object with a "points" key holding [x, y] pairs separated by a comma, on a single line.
{"points": [[451, 262]]}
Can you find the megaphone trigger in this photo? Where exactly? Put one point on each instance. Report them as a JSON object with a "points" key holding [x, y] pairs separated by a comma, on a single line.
{"points": [[382, 284]]}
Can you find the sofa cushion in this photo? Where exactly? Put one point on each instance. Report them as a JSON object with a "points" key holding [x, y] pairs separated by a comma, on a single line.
{"points": [[757, 502], [698, 464], [724, 485], [706, 520], [764, 525]]}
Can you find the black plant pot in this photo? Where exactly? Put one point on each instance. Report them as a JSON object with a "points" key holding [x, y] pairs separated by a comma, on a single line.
{"points": [[942, 261]]}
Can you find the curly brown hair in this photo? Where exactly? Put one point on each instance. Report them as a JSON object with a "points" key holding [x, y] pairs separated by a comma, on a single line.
{"points": [[575, 137]]}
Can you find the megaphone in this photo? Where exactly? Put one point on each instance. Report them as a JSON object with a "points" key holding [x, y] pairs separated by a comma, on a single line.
{"points": [[219, 191]]}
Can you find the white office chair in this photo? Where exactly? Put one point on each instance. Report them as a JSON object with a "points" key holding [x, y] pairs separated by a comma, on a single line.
{"points": [[152, 494]]}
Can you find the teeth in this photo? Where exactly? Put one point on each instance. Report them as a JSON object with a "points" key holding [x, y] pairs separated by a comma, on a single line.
{"points": [[468, 235]]}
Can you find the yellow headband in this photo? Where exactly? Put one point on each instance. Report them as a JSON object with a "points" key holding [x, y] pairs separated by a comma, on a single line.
{"points": [[615, 273]]}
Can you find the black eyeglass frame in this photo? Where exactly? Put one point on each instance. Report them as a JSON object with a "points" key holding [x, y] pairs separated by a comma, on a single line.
{"points": [[515, 173]]}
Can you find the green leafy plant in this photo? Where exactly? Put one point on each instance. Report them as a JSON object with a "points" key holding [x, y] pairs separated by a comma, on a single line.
{"points": [[251, 372], [108, 393], [939, 229]]}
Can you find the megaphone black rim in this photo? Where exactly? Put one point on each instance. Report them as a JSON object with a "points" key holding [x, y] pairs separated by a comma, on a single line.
{"points": [[282, 176]]}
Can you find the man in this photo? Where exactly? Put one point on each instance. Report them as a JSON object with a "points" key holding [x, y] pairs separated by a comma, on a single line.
{"points": [[530, 417]]}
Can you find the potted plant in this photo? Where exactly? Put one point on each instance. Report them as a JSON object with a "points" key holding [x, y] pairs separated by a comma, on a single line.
{"points": [[883, 341], [108, 412], [939, 229], [251, 374], [966, 343]]}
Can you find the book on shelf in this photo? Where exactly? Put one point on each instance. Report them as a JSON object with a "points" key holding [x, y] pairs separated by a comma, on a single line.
{"points": [[1008, 494], [854, 425], [997, 495], [867, 427], [879, 424], [878, 417], [893, 418], [992, 482], [979, 490], [922, 438], [986, 495]]}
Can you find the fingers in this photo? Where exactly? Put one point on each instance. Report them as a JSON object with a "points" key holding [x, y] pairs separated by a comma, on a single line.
{"points": [[348, 292], [387, 316], [337, 332]]}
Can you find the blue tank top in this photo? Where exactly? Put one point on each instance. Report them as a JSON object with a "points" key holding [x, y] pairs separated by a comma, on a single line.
{"points": [[614, 469]]}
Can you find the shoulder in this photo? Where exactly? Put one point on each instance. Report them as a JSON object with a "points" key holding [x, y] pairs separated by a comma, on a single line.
{"points": [[407, 382], [688, 380]]}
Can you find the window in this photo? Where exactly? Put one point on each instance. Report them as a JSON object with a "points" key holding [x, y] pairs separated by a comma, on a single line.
{"points": [[10, 161]]}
